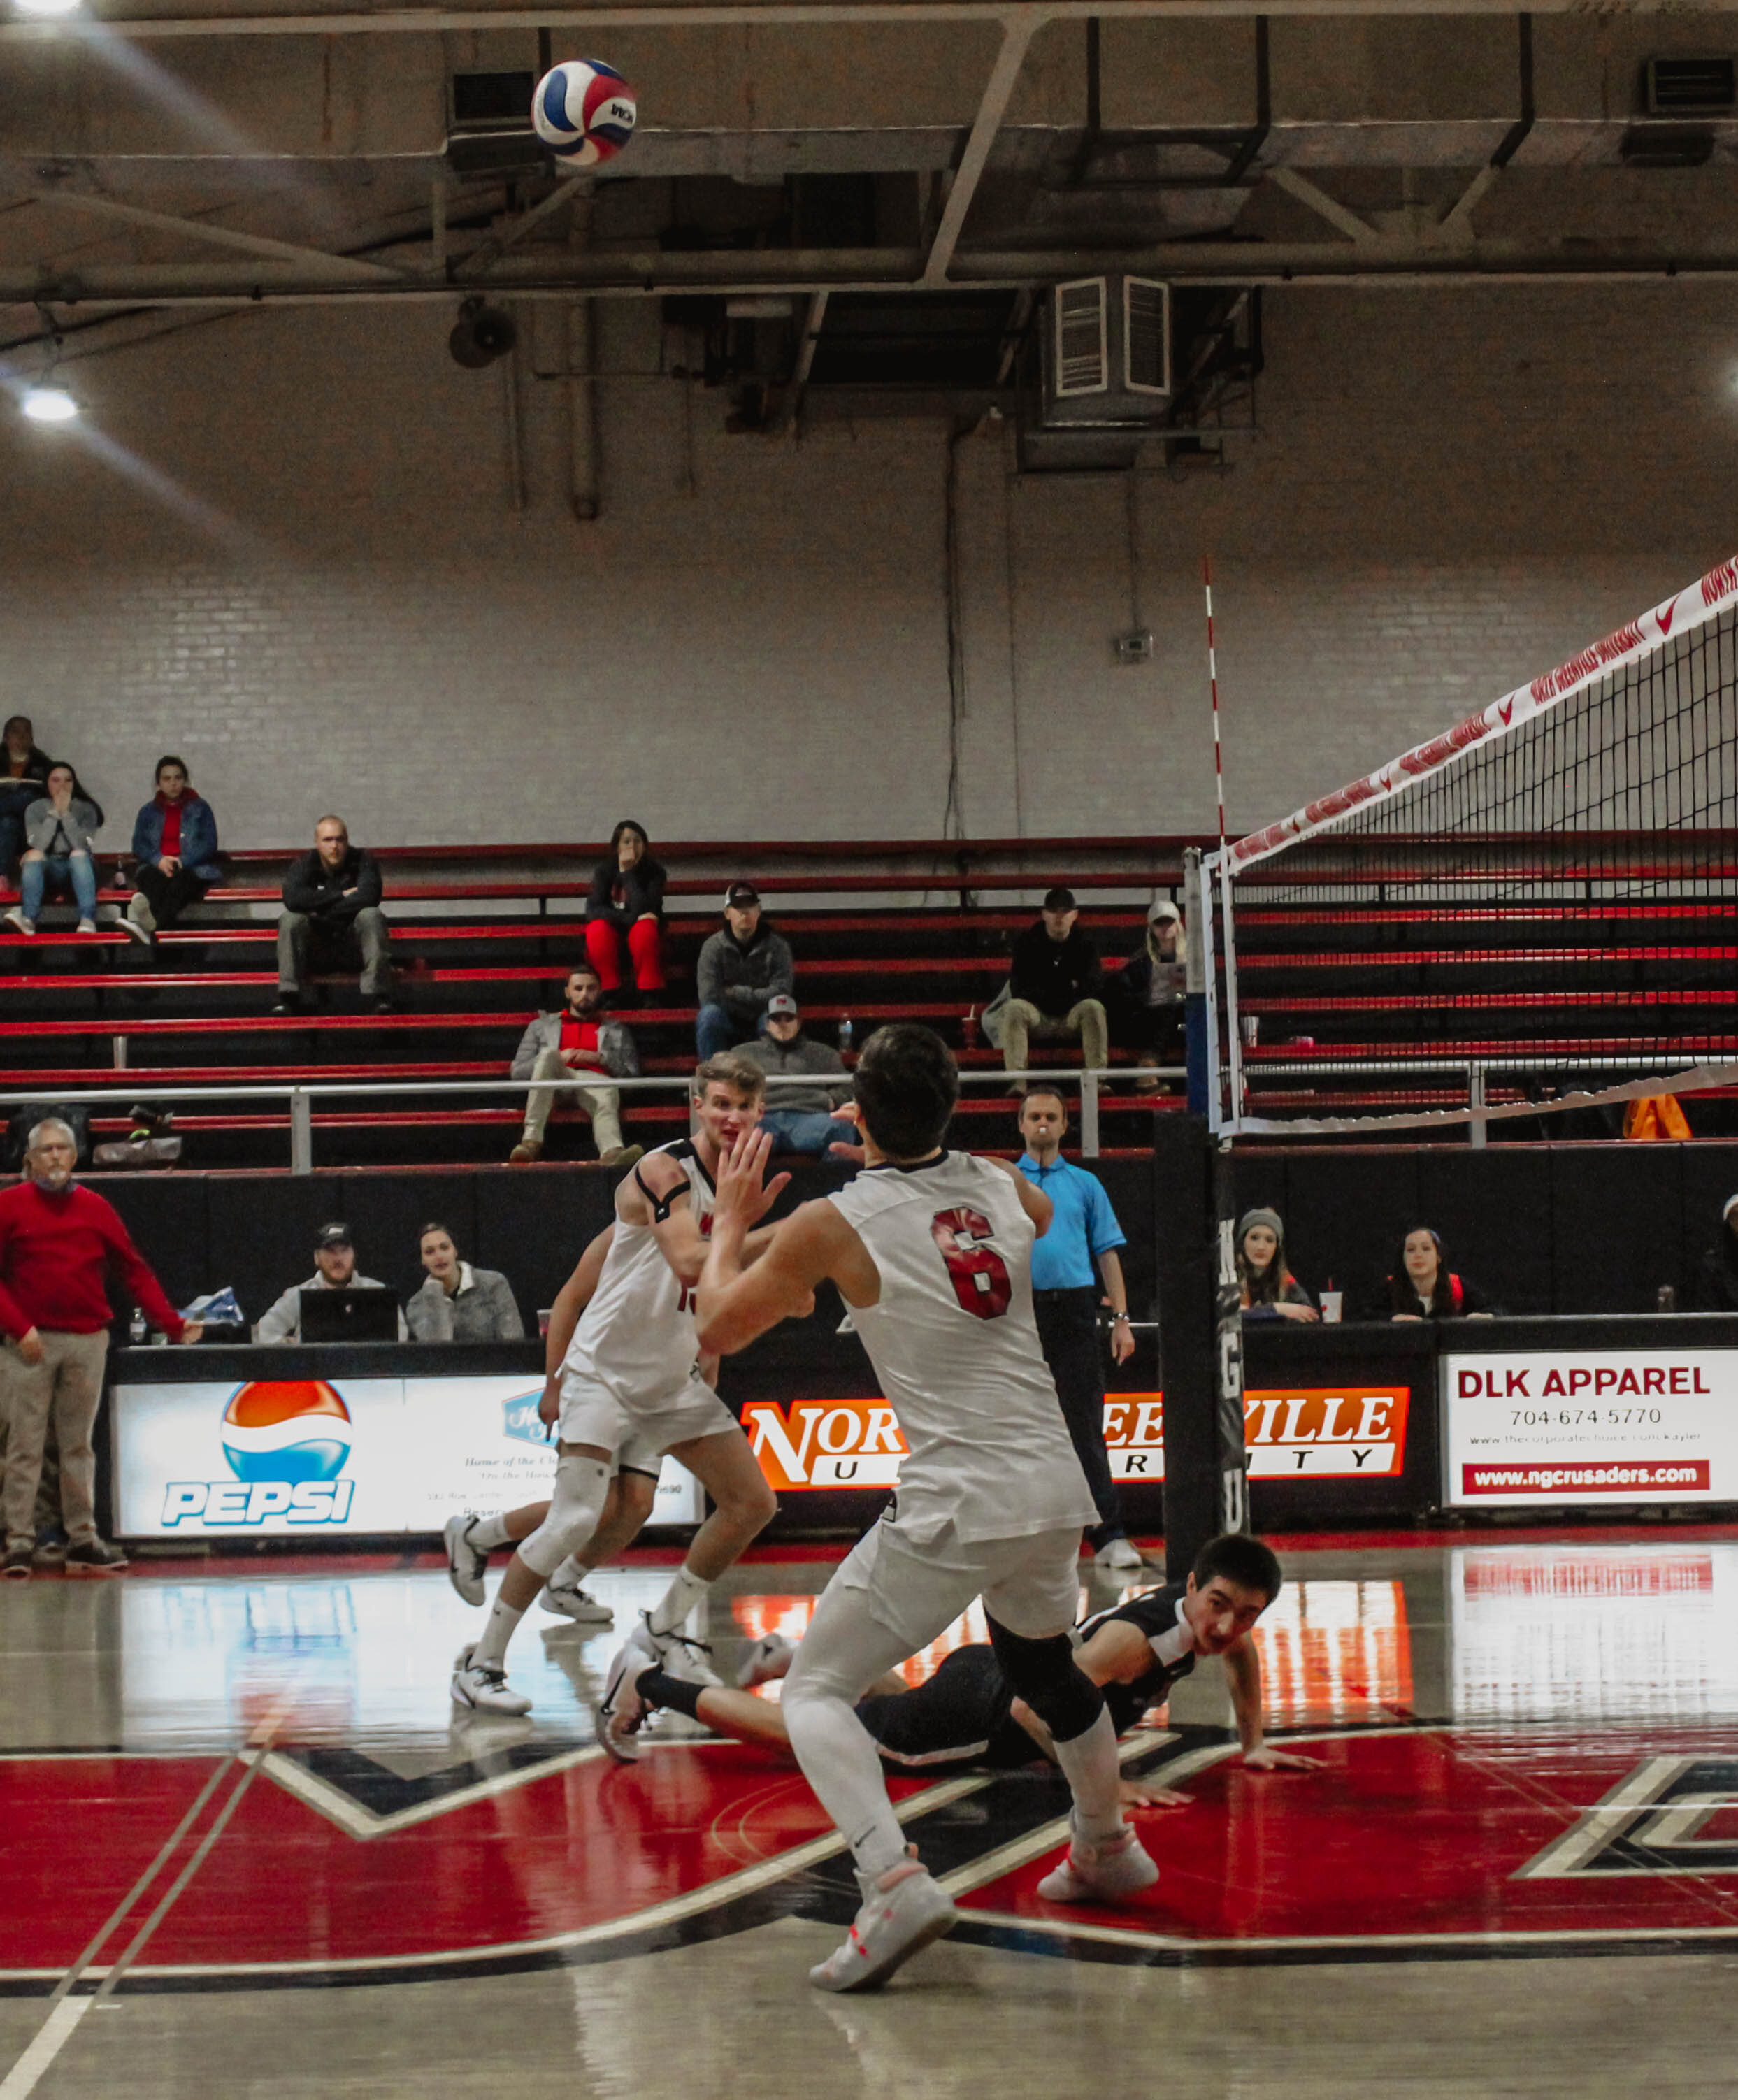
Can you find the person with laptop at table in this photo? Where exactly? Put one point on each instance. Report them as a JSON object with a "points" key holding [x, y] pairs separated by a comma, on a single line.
{"points": [[335, 1270]]}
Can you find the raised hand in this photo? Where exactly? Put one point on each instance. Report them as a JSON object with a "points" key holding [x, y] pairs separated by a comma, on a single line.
{"points": [[744, 1195]]}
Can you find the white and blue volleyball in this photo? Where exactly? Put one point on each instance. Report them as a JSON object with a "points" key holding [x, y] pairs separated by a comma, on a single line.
{"points": [[584, 111]]}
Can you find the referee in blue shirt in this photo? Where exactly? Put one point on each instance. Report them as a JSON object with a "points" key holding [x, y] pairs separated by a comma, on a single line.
{"points": [[1084, 1230]]}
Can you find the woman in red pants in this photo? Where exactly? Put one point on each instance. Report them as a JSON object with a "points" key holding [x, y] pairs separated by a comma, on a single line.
{"points": [[624, 913]]}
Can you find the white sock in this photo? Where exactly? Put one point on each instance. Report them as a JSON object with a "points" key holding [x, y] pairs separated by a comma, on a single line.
{"points": [[670, 1614], [571, 1575], [487, 1532], [490, 1651], [1089, 1765]]}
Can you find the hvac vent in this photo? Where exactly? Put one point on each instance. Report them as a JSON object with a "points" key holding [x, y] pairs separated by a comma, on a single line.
{"points": [[1083, 339], [489, 130], [1107, 354], [1690, 87]]}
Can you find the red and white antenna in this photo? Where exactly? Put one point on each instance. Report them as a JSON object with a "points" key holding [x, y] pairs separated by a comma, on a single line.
{"points": [[1219, 759]]}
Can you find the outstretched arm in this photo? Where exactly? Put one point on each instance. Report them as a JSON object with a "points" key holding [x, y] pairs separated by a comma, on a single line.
{"points": [[737, 1304], [1243, 1667]]}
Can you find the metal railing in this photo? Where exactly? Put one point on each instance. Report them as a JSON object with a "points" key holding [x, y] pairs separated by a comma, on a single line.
{"points": [[1477, 1071], [301, 1096]]}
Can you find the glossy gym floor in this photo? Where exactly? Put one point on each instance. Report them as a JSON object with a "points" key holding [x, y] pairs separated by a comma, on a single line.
{"points": [[247, 1848]]}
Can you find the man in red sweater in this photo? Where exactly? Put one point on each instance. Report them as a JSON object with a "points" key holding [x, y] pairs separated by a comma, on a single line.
{"points": [[57, 1242]]}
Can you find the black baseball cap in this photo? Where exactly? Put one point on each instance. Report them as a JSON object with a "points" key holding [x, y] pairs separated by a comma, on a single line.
{"points": [[334, 1235], [1059, 899], [739, 895]]}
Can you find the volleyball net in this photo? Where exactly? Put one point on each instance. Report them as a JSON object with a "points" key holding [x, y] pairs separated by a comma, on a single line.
{"points": [[1534, 912]]}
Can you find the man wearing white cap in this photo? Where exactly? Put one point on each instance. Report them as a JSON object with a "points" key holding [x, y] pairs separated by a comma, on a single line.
{"points": [[1147, 1002]]}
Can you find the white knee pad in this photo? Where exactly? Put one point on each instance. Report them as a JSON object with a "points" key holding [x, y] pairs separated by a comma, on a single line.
{"points": [[580, 1487]]}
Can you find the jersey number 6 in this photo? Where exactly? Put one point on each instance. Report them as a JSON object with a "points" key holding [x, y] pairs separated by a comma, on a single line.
{"points": [[980, 1276]]}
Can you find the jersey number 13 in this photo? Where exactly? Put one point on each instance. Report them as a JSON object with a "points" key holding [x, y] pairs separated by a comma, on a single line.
{"points": [[979, 1274]]}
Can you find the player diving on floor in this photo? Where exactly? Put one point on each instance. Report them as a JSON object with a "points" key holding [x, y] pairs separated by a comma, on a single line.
{"points": [[931, 1251], [967, 1717]]}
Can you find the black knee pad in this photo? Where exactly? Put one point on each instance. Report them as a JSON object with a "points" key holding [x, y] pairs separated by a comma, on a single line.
{"points": [[1045, 1674]]}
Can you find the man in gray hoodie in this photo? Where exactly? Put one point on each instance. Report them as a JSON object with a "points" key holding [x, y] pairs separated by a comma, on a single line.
{"points": [[739, 969], [801, 1118], [579, 1038]]}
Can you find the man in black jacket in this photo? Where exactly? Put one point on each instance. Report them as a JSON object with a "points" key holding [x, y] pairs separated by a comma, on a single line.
{"points": [[1053, 983], [331, 919]]}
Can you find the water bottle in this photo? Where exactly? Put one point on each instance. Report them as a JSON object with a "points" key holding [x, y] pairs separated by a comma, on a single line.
{"points": [[136, 1333], [846, 1036]]}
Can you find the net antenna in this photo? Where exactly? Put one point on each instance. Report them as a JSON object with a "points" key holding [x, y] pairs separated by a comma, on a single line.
{"points": [[1536, 911], [1219, 758]]}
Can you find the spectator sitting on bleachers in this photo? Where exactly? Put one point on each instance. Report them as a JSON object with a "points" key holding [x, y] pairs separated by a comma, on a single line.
{"points": [[740, 968], [800, 1118], [1716, 1286], [334, 1269], [1053, 981], [60, 851], [579, 1037], [458, 1302], [1269, 1289], [332, 917], [1146, 1005], [23, 779], [1422, 1286], [175, 843], [625, 912]]}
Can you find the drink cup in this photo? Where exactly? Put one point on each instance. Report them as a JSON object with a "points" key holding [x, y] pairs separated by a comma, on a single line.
{"points": [[1331, 1303], [1251, 1029]]}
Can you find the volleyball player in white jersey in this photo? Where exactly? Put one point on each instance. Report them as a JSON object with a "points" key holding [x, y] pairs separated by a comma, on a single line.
{"points": [[632, 1382], [931, 1251]]}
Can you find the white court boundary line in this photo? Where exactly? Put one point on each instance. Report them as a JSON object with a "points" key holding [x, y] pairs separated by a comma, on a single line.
{"points": [[64, 2010]]}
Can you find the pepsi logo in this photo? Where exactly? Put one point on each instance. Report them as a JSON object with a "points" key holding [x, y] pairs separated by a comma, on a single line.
{"points": [[286, 1429]]}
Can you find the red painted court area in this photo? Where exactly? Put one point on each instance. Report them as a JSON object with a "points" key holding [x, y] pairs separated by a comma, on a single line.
{"points": [[1413, 1833]]}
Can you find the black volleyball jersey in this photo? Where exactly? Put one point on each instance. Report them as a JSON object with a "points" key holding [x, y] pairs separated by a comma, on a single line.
{"points": [[1159, 1615]]}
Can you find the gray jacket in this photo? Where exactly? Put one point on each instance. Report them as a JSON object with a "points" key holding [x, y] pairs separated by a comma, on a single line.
{"points": [[621, 1061], [801, 1056], [483, 1310], [742, 980], [281, 1321], [81, 823]]}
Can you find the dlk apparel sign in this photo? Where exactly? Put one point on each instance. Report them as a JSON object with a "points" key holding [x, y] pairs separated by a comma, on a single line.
{"points": [[1308, 1432], [1585, 1425]]}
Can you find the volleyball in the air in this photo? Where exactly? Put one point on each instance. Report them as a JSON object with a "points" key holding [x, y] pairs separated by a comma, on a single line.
{"points": [[584, 111]]}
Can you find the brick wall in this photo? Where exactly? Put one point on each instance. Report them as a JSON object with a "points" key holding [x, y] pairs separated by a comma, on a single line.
{"points": [[294, 557]]}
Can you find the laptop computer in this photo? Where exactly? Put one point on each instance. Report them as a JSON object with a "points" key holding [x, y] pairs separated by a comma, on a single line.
{"points": [[354, 1314]]}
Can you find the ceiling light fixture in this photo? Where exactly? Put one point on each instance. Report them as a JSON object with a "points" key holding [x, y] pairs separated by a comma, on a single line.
{"points": [[49, 404], [46, 9]]}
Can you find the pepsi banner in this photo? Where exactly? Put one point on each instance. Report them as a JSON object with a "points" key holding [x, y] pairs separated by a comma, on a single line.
{"points": [[290, 1458]]}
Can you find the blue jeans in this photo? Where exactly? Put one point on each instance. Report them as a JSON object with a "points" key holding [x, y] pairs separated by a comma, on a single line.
{"points": [[793, 1131], [715, 1030], [76, 872]]}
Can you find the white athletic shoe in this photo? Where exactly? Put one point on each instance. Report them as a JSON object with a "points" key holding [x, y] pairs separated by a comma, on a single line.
{"points": [[1121, 1556], [902, 1911], [1103, 1869], [689, 1660], [466, 1564], [573, 1602], [484, 1689], [621, 1710], [769, 1657]]}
